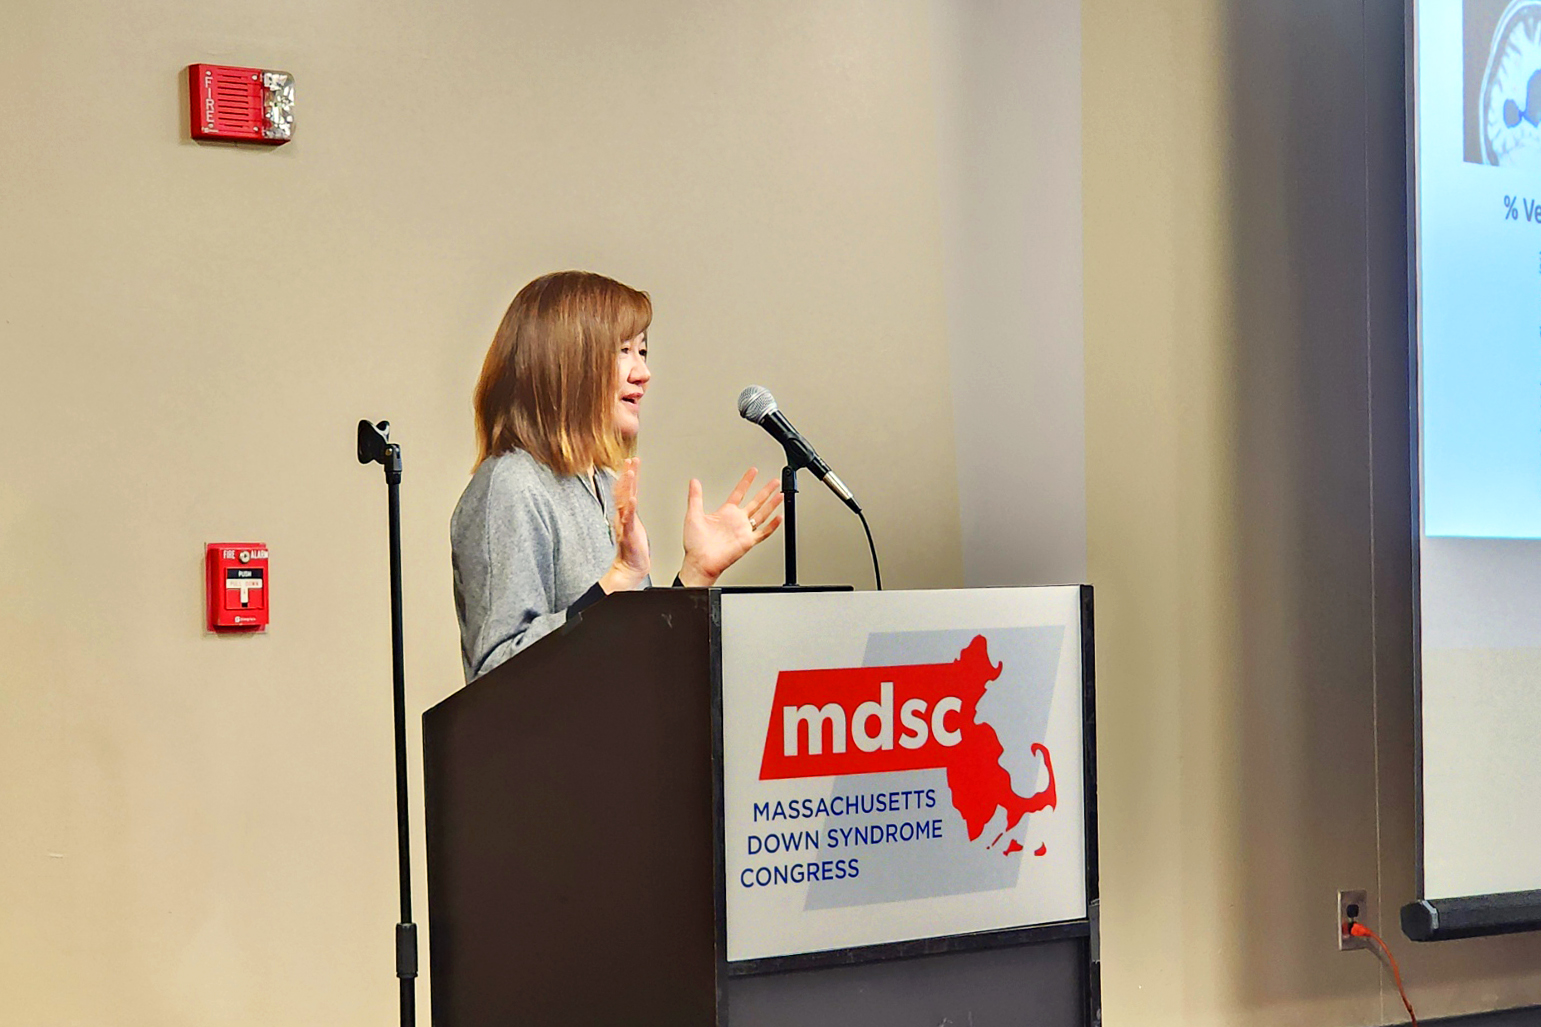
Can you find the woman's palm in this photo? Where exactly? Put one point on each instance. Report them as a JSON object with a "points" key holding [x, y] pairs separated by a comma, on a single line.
{"points": [[631, 547], [715, 541]]}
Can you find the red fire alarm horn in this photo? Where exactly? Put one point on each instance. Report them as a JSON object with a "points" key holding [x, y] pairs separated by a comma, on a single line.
{"points": [[250, 105]]}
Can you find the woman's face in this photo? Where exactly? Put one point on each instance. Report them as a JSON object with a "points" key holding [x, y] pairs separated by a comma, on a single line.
{"points": [[634, 376]]}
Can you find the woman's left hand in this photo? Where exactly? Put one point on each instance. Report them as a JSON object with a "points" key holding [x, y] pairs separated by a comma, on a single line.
{"points": [[715, 541], [632, 558]]}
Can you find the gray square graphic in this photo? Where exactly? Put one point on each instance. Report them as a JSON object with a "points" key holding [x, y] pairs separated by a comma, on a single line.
{"points": [[1017, 706]]}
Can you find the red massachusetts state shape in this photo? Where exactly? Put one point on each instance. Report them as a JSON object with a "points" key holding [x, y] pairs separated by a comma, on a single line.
{"points": [[979, 784]]}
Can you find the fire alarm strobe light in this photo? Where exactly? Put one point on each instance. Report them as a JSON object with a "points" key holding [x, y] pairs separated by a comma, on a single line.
{"points": [[250, 105]]}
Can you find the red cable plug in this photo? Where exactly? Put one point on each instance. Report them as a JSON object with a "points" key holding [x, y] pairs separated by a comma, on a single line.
{"points": [[1359, 930]]}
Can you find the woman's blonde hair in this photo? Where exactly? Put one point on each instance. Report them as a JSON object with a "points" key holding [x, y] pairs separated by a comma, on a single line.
{"points": [[548, 383]]}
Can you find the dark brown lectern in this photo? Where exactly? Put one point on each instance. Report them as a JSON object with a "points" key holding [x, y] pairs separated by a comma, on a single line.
{"points": [[569, 816], [757, 808]]}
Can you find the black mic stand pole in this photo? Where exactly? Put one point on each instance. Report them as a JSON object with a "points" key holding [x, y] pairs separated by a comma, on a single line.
{"points": [[789, 518], [374, 447]]}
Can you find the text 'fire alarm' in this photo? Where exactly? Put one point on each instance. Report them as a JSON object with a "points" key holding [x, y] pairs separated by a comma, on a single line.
{"points": [[244, 104]]}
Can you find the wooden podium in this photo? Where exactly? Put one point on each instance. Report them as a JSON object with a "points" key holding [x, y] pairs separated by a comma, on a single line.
{"points": [[623, 821]]}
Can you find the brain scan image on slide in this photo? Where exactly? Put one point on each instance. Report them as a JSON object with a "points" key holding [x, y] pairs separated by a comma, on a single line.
{"points": [[1509, 102]]}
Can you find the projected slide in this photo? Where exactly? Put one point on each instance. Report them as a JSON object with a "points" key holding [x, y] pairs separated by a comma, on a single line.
{"points": [[1480, 242], [1477, 169]]}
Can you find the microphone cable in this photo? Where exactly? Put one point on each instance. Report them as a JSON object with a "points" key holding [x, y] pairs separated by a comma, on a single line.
{"points": [[877, 572]]}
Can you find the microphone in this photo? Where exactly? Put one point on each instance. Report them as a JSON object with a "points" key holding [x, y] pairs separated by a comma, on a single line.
{"points": [[758, 405]]}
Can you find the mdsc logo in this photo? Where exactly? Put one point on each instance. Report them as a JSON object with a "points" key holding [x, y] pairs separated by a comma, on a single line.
{"points": [[872, 720]]}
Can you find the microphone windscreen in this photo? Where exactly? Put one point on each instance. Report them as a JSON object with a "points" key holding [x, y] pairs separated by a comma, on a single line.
{"points": [[755, 402]]}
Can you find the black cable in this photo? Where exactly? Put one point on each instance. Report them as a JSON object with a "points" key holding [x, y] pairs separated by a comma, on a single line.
{"points": [[876, 572]]}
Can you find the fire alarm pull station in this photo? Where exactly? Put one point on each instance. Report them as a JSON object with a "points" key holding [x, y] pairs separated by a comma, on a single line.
{"points": [[244, 105], [237, 586]]}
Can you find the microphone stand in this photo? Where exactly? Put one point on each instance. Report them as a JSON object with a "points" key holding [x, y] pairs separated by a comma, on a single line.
{"points": [[789, 518], [374, 446]]}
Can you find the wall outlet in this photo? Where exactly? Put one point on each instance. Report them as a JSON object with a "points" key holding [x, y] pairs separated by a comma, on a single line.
{"points": [[1352, 906]]}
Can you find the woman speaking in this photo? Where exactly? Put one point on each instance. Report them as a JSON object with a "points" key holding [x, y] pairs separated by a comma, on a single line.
{"points": [[549, 521]]}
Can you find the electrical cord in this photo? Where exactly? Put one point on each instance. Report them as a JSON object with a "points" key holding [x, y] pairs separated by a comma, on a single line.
{"points": [[876, 572], [1359, 930]]}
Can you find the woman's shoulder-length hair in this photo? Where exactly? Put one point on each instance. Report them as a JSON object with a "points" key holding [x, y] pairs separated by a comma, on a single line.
{"points": [[548, 383]]}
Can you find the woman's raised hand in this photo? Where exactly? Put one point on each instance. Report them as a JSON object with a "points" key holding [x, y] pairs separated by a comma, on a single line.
{"points": [[632, 559], [715, 541]]}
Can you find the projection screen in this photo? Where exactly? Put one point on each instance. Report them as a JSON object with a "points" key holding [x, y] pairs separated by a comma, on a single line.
{"points": [[1475, 165]]}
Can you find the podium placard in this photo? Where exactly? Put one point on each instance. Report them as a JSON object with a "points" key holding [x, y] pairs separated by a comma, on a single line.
{"points": [[901, 766]]}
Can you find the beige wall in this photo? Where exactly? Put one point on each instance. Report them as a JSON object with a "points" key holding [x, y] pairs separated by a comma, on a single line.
{"points": [[198, 830], [1158, 527], [1248, 527]]}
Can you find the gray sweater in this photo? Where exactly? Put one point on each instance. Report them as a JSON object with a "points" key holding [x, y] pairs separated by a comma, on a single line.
{"points": [[526, 543]]}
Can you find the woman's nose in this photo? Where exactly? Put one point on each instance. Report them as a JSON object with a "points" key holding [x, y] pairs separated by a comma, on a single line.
{"points": [[640, 375]]}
